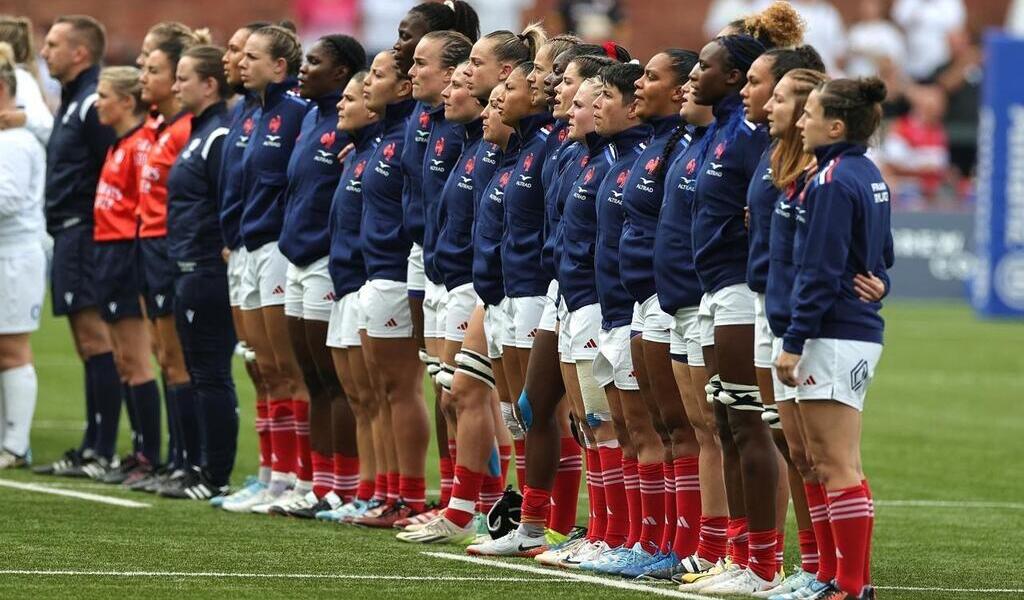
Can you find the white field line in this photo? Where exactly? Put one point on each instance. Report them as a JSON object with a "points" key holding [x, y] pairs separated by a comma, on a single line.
{"points": [[950, 590], [34, 487], [602, 581], [67, 573]]}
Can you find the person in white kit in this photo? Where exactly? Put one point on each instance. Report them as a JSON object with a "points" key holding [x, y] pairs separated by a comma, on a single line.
{"points": [[22, 271], [30, 109]]}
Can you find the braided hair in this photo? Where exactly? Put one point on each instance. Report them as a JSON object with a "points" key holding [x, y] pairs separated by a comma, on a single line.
{"points": [[681, 62], [345, 51]]}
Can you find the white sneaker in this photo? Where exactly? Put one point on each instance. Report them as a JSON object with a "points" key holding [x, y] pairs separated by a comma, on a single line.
{"points": [[512, 544], [272, 500], [746, 582], [439, 531], [554, 556], [301, 502], [588, 552], [243, 500], [722, 571], [797, 580]]}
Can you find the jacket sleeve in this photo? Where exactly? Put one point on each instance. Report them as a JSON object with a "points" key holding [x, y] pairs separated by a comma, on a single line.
{"points": [[821, 267], [213, 152]]}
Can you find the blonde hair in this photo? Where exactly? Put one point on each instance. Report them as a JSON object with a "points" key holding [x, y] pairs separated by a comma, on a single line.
{"points": [[283, 43], [8, 77], [175, 31], [778, 26], [517, 48], [125, 83], [17, 31], [788, 158]]}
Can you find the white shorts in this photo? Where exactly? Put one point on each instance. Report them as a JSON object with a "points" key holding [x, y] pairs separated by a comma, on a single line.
{"points": [[459, 308], [705, 323], [310, 291], [265, 278], [732, 305], [435, 297], [614, 362], [385, 306], [839, 370], [582, 333], [346, 321], [762, 336], [236, 272], [416, 280], [22, 287], [525, 316], [564, 352], [654, 323], [549, 318], [782, 391], [496, 328], [685, 336]]}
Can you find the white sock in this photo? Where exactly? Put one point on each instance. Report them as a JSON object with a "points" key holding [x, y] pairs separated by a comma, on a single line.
{"points": [[19, 387]]}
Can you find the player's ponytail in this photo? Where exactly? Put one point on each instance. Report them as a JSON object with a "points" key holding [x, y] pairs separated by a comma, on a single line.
{"points": [[282, 43], [855, 102], [125, 83], [517, 47], [454, 15], [207, 65]]}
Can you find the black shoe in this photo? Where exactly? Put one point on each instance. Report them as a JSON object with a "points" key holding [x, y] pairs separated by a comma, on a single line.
{"points": [[503, 517], [69, 459], [119, 474], [86, 458], [149, 481], [169, 481], [143, 471], [310, 511]]}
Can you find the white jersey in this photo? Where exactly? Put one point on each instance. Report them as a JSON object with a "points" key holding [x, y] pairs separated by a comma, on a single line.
{"points": [[22, 178], [38, 118]]}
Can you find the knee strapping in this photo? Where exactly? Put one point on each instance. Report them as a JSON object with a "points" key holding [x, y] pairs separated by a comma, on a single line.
{"points": [[433, 363], [445, 376], [713, 388], [741, 396], [476, 366], [595, 402], [771, 417]]}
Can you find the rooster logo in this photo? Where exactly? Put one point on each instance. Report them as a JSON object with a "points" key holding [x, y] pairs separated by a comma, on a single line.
{"points": [[503, 180], [719, 149], [424, 120], [327, 139], [439, 146], [691, 166], [564, 133], [528, 162], [248, 126], [588, 176], [621, 179], [275, 124], [652, 165], [389, 152], [470, 165], [360, 168]]}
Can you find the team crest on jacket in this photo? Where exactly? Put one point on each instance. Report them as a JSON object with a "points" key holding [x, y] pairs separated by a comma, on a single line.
{"points": [[621, 179], [503, 180], [439, 146], [719, 149], [564, 133], [327, 139], [652, 165], [389, 152], [588, 176], [470, 165], [275, 124], [248, 126], [691, 166], [528, 162], [358, 172], [584, 161], [424, 120]]}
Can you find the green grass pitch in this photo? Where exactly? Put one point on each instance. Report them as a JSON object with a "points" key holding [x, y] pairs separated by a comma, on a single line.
{"points": [[944, 435]]}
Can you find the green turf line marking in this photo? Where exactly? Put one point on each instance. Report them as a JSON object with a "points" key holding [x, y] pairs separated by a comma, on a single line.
{"points": [[603, 581], [454, 578], [34, 487]]}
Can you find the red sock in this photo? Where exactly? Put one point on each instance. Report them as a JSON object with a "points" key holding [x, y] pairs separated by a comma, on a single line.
{"points": [[490, 492], [780, 547], [263, 432], [687, 506], [739, 550], [614, 496], [462, 504], [346, 476], [536, 506], [849, 511], [669, 534], [366, 490], [303, 462], [632, 480], [808, 550], [871, 528], [393, 479], [566, 491], [818, 508], [504, 458], [380, 487], [282, 434], [323, 473], [447, 468], [652, 500], [598, 505], [520, 463], [714, 536], [413, 492], [761, 545], [591, 497]]}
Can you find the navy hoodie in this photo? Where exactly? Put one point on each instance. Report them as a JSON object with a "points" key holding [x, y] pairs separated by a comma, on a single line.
{"points": [[313, 174], [761, 197], [524, 213], [561, 153], [616, 303], [346, 266], [642, 198], [194, 239], [75, 153], [385, 241], [675, 277], [843, 228], [416, 136], [781, 272], [489, 226], [575, 157], [453, 257], [719, 233], [232, 196], [265, 163], [577, 279], [443, 150]]}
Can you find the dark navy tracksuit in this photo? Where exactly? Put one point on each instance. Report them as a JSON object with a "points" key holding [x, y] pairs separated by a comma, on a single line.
{"points": [[414, 150], [453, 257], [201, 309], [346, 266], [761, 197], [232, 197], [444, 149], [489, 225], [74, 157]]}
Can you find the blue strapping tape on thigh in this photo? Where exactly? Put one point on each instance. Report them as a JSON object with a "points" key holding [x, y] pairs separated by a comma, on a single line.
{"points": [[525, 410], [494, 463]]}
